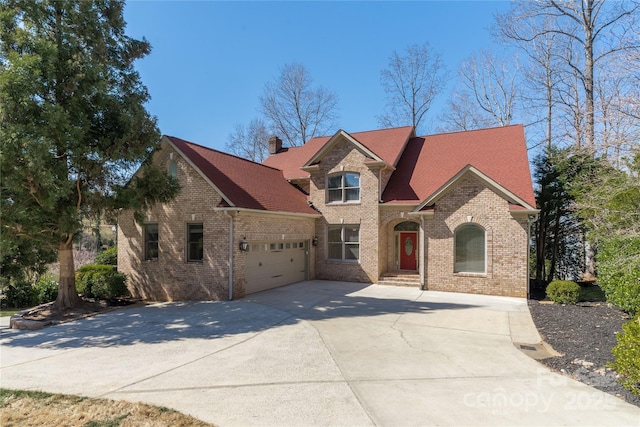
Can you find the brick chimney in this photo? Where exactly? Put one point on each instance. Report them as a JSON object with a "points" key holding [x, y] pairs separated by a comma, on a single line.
{"points": [[275, 145]]}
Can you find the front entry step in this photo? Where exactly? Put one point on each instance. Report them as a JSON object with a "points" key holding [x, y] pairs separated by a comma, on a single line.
{"points": [[400, 278]]}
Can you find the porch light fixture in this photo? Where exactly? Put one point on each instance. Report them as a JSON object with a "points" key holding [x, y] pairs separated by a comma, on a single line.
{"points": [[244, 245], [314, 241]]}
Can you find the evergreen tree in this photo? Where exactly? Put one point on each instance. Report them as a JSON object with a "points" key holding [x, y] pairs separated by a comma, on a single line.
{"points": [[73, 126]]}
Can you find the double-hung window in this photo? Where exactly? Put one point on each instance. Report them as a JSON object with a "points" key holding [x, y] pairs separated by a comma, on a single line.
{"points": [[344, 242], [343, 187], [151, 241], [470, 244], [195, 242]]}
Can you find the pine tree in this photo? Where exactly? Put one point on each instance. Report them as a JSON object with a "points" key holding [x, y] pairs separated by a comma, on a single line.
{"points": [[73, 125]]}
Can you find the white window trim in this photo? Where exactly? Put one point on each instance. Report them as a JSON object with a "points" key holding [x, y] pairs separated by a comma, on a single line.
{"points": [[455, 251], [343, 188], [343, 243]]}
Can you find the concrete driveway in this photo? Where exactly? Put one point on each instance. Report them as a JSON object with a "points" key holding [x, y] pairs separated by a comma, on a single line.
{"points": [[315, 353]]}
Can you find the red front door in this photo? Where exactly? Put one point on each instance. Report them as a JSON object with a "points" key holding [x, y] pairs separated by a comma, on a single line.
{"points": [[408, 246]]}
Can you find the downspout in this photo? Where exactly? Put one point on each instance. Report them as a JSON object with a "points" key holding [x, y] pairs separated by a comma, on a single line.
{"points": [[422, 254], [530, 220], [380, 185], [230, 255]]}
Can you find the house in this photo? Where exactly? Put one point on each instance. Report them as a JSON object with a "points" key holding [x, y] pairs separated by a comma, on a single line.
{"points": [[448, 212]]}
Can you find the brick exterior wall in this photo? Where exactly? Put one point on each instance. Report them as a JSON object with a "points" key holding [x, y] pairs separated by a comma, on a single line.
{"points": [[506, 242], [171, 277], [344, 157]]}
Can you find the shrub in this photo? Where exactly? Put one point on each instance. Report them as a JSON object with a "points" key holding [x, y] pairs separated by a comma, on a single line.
{"points": [[108, 256], [46, 289], [563, 291], [619, 277], [100, 281], [626, 355], [18, 295]]}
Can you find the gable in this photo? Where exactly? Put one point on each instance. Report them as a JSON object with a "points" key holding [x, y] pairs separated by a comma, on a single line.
{"points": [[470, 171], [384, 145], [430, 163], [341, 137]]}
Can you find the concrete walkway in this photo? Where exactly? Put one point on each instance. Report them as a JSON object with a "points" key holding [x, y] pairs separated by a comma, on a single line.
{"points": [[315, 353]]}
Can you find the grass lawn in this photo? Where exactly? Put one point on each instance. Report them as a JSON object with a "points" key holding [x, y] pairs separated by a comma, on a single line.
{"points": [[9, 312], [33, 408]]}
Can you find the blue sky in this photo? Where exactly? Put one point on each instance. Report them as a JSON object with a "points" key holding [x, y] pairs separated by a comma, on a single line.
{"points": [[211, 59]]}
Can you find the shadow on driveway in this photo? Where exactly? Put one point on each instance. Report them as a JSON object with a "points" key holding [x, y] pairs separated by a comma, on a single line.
{"points": [[176, 321]]}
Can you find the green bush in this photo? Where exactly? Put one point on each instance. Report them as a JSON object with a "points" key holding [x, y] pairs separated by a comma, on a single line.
{"points": [[563, 291], [618, 277], [46, 289], [100, 281], [627, 355], [108, 256], [18, 295]]}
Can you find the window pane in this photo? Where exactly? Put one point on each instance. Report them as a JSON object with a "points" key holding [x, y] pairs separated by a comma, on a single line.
{"points": [[335, 181], [352, 180], [351, 251], [151, 241], [335, 250], [335, 235], [351, 234], [352, 194], [470, 250], [335, 195], [173, 169], [195, 247]]}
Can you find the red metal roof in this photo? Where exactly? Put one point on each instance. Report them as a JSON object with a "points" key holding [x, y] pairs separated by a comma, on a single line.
{"points": [[385, 143], [429, 162], [244, 183]]}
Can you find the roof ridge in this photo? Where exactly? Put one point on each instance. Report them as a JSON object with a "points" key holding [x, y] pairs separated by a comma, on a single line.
{"points": [[351, 133], [470, 130], [223, 153]]}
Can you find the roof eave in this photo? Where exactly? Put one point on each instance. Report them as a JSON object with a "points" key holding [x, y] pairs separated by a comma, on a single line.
{"points": [[235, 209]]}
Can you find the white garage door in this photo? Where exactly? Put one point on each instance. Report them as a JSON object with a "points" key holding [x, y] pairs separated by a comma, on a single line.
{"points": [[273, 264]]}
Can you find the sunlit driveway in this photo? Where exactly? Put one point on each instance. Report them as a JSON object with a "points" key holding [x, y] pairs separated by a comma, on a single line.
{"points": [[315, 353]]}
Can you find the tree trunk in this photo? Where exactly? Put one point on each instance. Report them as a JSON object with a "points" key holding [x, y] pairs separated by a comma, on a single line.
{"points": [[555, 246], [588, 76], [541, 243], [589, 261], [67, 293]]}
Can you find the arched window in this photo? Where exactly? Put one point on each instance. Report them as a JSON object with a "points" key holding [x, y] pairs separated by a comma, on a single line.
{"points": [[173, 169], [407, 226], [470, 249]]}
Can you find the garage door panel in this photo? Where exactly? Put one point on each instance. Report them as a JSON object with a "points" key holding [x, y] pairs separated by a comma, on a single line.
{"points": [[267, 268]]}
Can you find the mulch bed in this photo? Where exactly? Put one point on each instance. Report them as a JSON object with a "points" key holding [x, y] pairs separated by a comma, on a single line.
{"points": [[585, 334]]}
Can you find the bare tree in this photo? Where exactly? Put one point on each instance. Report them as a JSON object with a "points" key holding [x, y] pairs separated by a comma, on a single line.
{"points": [[493, 85], [599, 29], [250, 142], [297, 111], [411, 83], [461, 114]]}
